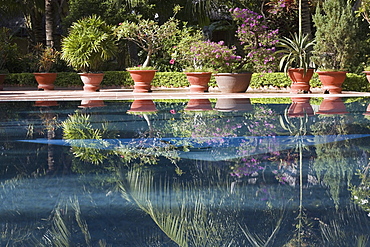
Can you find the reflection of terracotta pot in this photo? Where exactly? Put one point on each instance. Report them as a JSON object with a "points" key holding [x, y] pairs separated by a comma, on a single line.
{"points": [[46, 103], [91, 81], [331, 106], [332, 80], [233, 82], [143, 80], [300, 107], [91, 103], [300, 80], [199, 105], [233, 104], [143, 105], [367, 73], [367, 113], [45, 80], [2, 79], [198, 81]]}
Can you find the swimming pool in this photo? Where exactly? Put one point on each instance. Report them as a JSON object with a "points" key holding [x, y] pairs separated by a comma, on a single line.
{"points": [[186, 172]]}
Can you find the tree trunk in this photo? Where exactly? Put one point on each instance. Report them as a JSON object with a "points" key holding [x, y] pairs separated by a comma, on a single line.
{"points": [[49, 25], [306, 18]]}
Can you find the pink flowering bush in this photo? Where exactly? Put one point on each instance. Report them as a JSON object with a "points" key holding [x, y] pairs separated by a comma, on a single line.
{"points": [[257, 39], [206, 55]]}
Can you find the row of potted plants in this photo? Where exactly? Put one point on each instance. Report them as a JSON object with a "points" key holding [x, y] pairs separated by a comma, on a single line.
{"points": [[91, 42]]}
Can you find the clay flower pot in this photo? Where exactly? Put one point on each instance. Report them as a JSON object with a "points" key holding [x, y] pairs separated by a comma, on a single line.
{"points": [[45, 80], [332, 106], [300, 80], [142, 79], [143, 105], [199, 105], [91, 103], [233, 104], [233, 82], [300, 107], [198, 81], [332, 81], [91, 81]]}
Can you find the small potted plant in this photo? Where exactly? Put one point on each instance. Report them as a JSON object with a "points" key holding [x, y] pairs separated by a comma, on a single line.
{"points": [[46, 58], [192, 53], [336, 43], [149, 36], [296, 61], [90, 42]]}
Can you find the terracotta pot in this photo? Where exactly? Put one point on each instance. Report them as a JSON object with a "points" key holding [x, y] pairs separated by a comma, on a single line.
{"points": [[91, 81], [91, 103], [199, 105], [2, 79], [142, 79], [143, 105], [300, 107], [46, 103], [233, 82], [233, 104], [332, 81], [300, 80], [332, 106], [45, 80], [367, 73], [198, 81], [367, 113]]}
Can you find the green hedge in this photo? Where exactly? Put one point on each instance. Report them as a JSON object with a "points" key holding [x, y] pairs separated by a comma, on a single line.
{"points": [[353, 82]]}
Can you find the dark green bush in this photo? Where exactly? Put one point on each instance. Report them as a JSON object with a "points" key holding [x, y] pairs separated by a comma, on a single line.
{"points": [[353, 82]]}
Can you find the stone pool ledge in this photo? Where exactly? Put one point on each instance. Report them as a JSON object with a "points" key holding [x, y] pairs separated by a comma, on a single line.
{"points": [[31, 94]]}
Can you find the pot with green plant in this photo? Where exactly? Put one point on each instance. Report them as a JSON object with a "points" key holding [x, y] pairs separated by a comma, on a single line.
{"points": [[89, 44], [150, 37], [336, 43], [46, 58], [295, 61]]}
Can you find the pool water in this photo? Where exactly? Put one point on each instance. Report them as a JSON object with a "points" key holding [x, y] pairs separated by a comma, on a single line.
{"points": [[198, 172]]}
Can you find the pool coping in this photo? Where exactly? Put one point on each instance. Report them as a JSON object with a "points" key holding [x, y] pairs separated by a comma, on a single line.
{"points": [[62, 94]]}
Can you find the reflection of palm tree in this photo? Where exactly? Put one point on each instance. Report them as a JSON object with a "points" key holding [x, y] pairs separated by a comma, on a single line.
{"points": [[298, 127], [201, 211]]}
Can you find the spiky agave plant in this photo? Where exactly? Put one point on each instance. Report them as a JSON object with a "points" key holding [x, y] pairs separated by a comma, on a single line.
{"points": [[296, 52]]}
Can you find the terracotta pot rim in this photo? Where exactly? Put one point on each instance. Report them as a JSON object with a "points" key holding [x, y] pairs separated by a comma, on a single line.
{"points": [[144, 70], [197, 73], [299, 69], [330, 72], [91, 73], [44, 73], [233, 73]]}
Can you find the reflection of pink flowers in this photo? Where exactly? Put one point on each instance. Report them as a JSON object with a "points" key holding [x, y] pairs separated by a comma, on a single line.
{"points": [[172, 61], [172, 111]]}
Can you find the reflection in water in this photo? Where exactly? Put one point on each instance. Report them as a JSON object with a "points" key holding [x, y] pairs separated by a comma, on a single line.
{"points": [[262, 177]]}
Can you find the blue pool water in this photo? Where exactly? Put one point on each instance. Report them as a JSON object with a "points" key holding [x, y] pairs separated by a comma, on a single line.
{"points": [[199, 172]]}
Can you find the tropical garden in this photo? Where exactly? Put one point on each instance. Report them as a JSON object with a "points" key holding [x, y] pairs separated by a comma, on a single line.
{"points": [[265, 38]]}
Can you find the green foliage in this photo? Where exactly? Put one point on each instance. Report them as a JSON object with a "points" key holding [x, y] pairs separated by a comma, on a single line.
{"points": [[46, 58], [147, 34], [270, 79], [6, 47], [356, 83], [86, 140], [90, 42], [297, 52], [336, 35]]}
